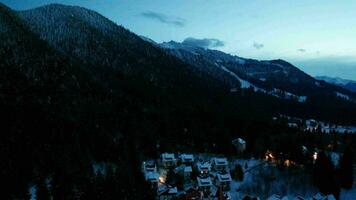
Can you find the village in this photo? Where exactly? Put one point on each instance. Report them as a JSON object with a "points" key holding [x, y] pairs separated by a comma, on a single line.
{"points": [[313, 125], [209, 177]]}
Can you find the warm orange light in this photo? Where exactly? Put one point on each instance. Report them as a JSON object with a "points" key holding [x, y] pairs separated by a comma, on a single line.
{"points": [[162, 179]]}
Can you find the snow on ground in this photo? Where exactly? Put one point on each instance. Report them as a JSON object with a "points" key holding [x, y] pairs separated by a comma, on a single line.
{"points": [[343, 96], [263, 180], [348, 194], [275, 92], [244, 84], [32, 192]]}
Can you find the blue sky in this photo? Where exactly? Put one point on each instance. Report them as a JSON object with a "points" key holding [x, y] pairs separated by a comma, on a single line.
{"points": [[318, 36]]}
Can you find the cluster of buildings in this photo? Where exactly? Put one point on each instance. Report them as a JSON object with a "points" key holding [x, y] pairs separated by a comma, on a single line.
{"points": [[313, 125], [203, 179]]}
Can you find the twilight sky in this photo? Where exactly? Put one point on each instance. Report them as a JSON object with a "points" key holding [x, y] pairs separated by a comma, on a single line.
{"points": [[317, 36]]}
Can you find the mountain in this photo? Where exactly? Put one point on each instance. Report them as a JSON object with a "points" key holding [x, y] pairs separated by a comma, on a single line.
{"points": [[272, 77], [347, 84], [78, 89]]}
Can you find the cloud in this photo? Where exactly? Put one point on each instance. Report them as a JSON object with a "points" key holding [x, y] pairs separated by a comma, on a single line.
{"points": [[176, 21], [205, 43], [302, 50], [258, 45]]}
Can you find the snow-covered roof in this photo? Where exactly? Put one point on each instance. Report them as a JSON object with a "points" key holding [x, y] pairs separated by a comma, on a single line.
{"points": [[187, 157], [318, 196], [149, 166], [188, 169], [220, 161], [224, 177], [204, 181], [274, 197], [152, 176], [168, 190], [330, 197], [239, 141], [167, 156], [204, 166]]}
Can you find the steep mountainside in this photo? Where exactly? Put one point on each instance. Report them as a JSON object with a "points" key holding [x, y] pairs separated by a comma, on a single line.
{"points": [[347, 84]]}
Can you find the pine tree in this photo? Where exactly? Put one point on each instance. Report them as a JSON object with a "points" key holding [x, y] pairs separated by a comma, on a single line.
{"points": [[346, 169], [325, 175]]}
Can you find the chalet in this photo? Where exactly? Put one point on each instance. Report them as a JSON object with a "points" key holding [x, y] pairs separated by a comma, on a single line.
{"points": [[187, 159], [168, 160], [320, 196], [149, 166], [192, 194], [152, 178], [204, 168], [220, 164], [185, 171], [223, 180], [168, 194], [205, 184], [239, 144]]}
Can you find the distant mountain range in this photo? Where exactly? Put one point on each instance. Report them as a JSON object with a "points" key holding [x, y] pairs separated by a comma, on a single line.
{"points": [[275, 77], [347, 84]]}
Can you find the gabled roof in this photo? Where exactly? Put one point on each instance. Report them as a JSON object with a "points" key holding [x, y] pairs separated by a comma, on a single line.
{"points": [[204, 166], [168, 156], [238, 140], [188, 169], [220, 161], [152, 176], [275, 197], [169, 191], [224, 177], [204, 181], [187, 157]]}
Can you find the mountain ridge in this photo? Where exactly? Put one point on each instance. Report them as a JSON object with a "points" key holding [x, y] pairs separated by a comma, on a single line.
{"points": [[345, 83]]}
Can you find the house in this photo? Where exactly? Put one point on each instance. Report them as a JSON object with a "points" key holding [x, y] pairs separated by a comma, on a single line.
{"points": [[152, 178], [292, 125], [204, 185], [187, 159], [185, 171], [168, 194], [204, 168], [149, 166], [320, 196], [223, 180], [274, 197], [220, 164], [192, 194], [239, 144], [168, 160]]}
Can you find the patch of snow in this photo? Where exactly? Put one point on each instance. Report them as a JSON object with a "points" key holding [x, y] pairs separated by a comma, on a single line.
{"points": [[263, 79], [240, 60], [348, 194], [32, 192], [343, 96]]}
